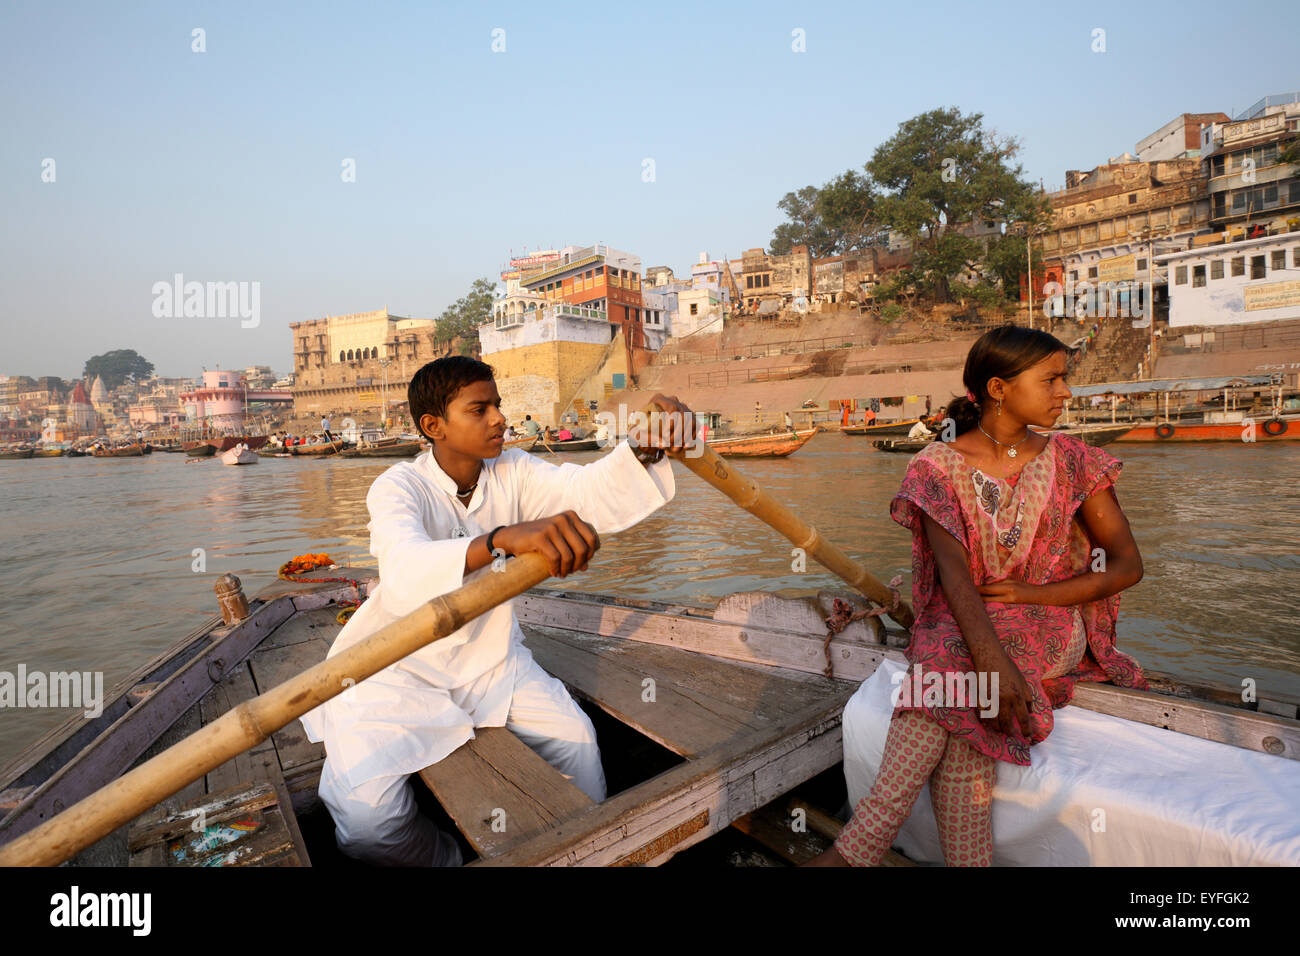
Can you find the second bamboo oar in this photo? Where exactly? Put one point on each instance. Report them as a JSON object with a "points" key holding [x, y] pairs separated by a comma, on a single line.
{"points": [[254, 720], [741, 489]]}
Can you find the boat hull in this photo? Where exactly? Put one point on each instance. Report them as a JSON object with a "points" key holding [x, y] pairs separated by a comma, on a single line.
{"points": [[16, 455], [1172, 432], [406, 449], [763, 446], [892, 428]]}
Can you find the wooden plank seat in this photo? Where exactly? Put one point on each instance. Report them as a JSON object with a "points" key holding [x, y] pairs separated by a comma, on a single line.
{"points": [[499, 791], [690, 704]]}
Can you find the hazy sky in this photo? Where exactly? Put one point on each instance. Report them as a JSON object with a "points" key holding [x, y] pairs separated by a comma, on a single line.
{"points": [[226, 165]]}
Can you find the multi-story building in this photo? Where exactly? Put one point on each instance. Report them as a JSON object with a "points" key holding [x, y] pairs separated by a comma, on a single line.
{"points": [[594, 277], [1251, 193], [360, 363], [1252, 280], [1180, 138], [1108, 223]]}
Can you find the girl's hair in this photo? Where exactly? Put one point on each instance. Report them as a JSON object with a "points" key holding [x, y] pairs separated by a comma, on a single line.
{"points": [[1002, 353]]}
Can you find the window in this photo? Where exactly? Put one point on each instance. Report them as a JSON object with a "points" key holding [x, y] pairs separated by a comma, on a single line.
{"points": [[1198, 277], [767, 280], [1216, 269], [1238, 201], [1270, 194], [1295, 257], [749, 282], [1092, 272], [1073, 275], [1132, 199], [695, 308], [1217, 165], [1257, 267], [342, 356], [1295, 192], [1180, 275], [1279, 259], [1238, 265], [1141, 265]]}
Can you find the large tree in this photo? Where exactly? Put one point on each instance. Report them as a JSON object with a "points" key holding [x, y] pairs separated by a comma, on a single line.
{"points": [[939, 170], [116, 367], [829, 220], [462, 318], [943, 170]]}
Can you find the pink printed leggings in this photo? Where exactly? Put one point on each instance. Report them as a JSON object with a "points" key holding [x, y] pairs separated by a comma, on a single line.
{"points": [[961, 789]]}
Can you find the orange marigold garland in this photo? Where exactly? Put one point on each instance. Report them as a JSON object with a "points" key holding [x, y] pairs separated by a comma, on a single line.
{"points": [[303, 563]]}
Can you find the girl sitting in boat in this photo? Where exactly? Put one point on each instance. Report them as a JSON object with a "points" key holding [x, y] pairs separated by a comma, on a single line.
{"points": [[1019, 552]]}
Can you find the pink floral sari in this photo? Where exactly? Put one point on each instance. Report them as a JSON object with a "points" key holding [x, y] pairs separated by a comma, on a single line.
{"points": [[1029, 532]]}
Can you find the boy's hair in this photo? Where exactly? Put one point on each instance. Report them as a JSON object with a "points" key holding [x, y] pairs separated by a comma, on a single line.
{"points": [[434, 386]]}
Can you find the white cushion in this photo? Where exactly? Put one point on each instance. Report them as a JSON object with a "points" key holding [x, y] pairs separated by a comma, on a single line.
{"points": [[1103, 791]]}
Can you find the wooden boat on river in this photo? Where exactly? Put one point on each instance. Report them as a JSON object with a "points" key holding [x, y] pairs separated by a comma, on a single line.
{"points": [[1091, 434], [199, 449], [876, 431], [391, 448], [13, 454], [573, 444], [776, 445], [122, 451], [523, 444], [320, 448], [742, 715], [239, 455]]}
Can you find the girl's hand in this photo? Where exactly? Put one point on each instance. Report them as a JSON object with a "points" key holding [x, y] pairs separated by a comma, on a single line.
{"points": [[1014, 695], [1008, 591]]}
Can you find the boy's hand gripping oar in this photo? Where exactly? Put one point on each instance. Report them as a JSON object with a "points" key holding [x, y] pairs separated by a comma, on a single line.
{"points": [[743, 491], [254, 720]]}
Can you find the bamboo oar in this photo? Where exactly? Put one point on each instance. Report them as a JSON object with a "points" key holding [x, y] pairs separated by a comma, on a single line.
{"points": [[742, 489], [254, 720]]}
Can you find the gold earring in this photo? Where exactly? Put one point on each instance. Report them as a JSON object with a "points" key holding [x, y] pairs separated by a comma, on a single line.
{"points": [[999, 406]]}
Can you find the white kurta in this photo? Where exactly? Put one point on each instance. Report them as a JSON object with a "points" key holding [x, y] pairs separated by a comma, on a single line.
{"points": [[391, 723]]}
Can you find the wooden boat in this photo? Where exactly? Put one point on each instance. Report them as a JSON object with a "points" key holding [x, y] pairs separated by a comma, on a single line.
{"points": [[573, 444], [51, 452], [239, 455], [252, 442], [199, 449], [320, 448], [391, 449], [122, 451], [906, 446], [763, 446], [741, 715], [172, 447], [13, 454], [1091, 435], [890, 428], [523, 444], [1285, 428]]}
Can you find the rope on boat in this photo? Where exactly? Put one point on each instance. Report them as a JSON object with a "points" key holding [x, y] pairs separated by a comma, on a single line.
{"points": [[291, 569], [842, 615]]}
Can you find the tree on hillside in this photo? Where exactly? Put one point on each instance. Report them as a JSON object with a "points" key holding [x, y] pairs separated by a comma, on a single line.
{"points": [[940, 170], [833, 219], [116, 367], [462, 318]]}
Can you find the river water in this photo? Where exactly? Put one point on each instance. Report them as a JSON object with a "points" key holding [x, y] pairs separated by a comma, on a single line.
{"points": [[98, 555]]}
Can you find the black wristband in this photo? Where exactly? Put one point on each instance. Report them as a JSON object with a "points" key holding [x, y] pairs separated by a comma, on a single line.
{"points": [[491, 551]]}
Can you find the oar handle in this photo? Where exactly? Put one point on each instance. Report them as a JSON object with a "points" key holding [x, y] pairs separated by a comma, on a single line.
{"points": [[254, 720], [742, 489]]}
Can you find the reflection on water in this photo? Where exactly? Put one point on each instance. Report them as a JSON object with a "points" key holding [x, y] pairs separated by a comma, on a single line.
{"points": [[98, 555]]}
